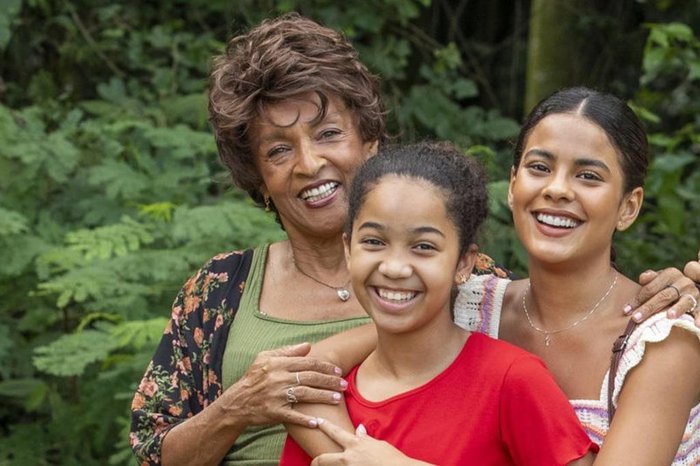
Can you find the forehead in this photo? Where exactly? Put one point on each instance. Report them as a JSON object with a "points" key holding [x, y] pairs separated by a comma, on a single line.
{"points": [[402, 198], [570, 133], [304, 109]]}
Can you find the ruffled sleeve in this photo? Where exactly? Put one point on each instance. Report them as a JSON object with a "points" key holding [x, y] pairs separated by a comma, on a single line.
{"points": [[478, 304], [653, 330]]}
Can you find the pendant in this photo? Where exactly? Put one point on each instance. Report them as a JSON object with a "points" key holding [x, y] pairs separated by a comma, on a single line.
{"points": [[547, 339], [343, 293]]}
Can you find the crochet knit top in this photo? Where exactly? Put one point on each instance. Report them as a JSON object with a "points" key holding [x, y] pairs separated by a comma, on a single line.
{"points": [[478, 308]]}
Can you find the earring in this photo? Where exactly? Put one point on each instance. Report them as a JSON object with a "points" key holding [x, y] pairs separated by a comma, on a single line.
{"points": [[461, 278], [267, 202]]}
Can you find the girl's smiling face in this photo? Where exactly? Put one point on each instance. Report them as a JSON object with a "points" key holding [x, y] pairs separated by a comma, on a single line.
{"points": [[404, 255], [567, 193]]}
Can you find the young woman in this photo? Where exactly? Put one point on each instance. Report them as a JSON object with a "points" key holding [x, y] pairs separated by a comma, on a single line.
{"points": [[577, 178], [438, 393]]}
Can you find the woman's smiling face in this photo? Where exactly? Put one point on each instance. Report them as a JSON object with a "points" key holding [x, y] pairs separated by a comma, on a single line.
{"points": [[307, 162], [567, 193]]}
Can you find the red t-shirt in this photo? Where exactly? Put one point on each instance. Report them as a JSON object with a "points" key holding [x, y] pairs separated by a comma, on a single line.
{"points": [[494, 405]]}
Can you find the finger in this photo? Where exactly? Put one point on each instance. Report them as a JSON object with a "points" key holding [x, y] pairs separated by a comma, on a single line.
{"points": [[300, 349], [655, 296], [321, 381], [313, 395], [692, 271], [647, 276], [295, 417], [328, 459], [304, 364], [337, 434]]}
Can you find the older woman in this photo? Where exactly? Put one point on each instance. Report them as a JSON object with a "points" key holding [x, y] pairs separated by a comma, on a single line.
{"points": [[295, 113]]}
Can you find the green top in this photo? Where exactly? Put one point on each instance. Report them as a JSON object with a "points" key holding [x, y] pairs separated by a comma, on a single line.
{"points": [[252, 332]]}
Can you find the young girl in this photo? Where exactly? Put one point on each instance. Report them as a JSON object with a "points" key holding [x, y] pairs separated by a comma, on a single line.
{"points": [[577, 177], [439, 393]]}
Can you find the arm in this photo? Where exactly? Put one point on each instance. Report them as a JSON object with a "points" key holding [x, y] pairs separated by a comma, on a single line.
{"points": [[258, 398], [657, 295], [181, 391], [345, 350], [654, 403]]}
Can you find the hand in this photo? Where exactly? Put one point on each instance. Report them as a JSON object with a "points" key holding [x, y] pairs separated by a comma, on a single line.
{"points": [[359, 449], [664, 290], [692, 271], [262, 395]]}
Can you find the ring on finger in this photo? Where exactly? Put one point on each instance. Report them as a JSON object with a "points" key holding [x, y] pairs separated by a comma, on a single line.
{"points": [[677, 290], [296, 375], [291, 397], [693, 309]]}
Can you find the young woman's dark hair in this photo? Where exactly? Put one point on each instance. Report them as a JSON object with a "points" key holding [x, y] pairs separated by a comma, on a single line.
{"points": [[279, 59], [612, 115], [460, 178]]}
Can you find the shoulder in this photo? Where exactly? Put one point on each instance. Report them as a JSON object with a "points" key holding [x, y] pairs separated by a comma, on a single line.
{"points": [[506, 356]]}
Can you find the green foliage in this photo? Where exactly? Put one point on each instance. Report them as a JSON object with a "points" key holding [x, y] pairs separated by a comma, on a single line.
{"points": [[111, 192]]}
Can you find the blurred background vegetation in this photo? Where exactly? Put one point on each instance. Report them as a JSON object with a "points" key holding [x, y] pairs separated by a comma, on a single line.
{"points": [[111, 193]]}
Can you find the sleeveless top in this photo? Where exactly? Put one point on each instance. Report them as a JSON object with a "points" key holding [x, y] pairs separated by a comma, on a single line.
{"points": [[254, 332], [478, 308]]}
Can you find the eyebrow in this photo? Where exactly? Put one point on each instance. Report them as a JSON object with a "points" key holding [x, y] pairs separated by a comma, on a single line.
{"points": [[579, 162], [278, 133], [380, 227]]}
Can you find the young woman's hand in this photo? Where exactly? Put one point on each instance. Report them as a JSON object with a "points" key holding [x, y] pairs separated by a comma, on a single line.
{"points": [[359, 449]]}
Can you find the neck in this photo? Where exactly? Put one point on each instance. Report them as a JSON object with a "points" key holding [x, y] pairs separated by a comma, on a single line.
{"points": [[421, 354], [560, 295], [319, 257]]}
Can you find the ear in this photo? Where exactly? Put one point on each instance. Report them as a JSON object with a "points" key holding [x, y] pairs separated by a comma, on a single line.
{"points": [[510, 187], [371, 148], [466, 264], [346, 248], [629, 208]]}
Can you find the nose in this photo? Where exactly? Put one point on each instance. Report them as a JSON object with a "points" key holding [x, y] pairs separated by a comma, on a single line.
{"points": [[395, 266], [310, 159], [558, 187]]}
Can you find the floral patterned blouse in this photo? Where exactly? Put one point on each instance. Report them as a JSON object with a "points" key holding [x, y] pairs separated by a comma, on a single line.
{"points": [[184, 376]]}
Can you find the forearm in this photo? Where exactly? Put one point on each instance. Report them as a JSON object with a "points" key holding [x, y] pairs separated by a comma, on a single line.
{"points": [[314, 441], [203, 439]]}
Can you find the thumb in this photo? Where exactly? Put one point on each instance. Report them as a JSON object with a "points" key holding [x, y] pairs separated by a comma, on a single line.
{"points": [[300, 349], [361, 431]]}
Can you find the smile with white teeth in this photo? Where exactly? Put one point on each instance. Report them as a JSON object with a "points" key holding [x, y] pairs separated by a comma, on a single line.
{"points": [[398, 296], [556, 221], [319, 192]]}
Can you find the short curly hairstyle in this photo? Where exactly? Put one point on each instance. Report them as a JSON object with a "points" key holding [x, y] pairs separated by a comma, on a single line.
{"points": [[279, 59], [459, 177]]}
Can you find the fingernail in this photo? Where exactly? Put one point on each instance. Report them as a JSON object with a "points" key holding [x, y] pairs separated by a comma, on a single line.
{"points": [[313, 423], [627, 309], [361, 430], [338, 371], [336, 396], [671, 314], [343, 384], [319, 421], [637, 316]]}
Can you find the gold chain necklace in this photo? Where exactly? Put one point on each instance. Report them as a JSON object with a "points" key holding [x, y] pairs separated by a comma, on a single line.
{"points": [[342, 291], [548, 333]]}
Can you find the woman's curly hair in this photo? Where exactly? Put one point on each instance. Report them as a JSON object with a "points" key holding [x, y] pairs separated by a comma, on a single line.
{"points": [[279, 59]]}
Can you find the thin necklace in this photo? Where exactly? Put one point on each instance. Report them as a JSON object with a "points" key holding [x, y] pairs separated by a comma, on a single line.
{"points": [[342, 291], [548, 333]]}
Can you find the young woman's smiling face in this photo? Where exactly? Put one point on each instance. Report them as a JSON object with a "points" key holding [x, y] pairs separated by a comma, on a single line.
{"points": [[404, 254], [567, 193]]}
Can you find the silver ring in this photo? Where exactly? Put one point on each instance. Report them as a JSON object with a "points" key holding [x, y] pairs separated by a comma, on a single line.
{"points": [[677, 291], [291, 397], [691, 311], [296, 374]]}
